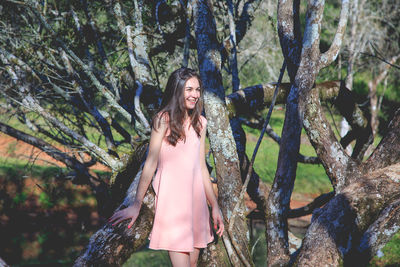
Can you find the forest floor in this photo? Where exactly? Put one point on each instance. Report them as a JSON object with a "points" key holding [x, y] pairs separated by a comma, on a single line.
{"points": [[67, 211], [48, 222]]}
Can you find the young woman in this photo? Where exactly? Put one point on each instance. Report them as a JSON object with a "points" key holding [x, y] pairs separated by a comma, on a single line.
{"points": [[182, 185]]}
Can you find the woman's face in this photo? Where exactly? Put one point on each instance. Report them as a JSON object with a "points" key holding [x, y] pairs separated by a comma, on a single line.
{"points": [[192, 92]]}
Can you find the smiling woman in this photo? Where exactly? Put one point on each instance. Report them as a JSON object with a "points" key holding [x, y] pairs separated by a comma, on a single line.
{"points": [[182, 182], [192, 93]]}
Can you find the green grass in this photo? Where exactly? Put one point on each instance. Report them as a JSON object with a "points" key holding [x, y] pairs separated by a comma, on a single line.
{"points": [[149, 258], [310, 178]]}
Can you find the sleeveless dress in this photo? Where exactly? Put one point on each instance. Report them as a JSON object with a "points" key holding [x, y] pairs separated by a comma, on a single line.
{"points": [[182, 220]]}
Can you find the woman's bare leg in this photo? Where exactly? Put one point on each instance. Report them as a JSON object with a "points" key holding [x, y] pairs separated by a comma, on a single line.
{"points": [[179, 259], [194, 256]]}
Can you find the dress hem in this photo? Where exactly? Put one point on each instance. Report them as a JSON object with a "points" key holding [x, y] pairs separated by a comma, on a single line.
{"points": [[181, 250]]}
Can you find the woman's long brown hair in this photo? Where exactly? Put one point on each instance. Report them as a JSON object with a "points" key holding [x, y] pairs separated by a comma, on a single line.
{"points": [[173, 105]]}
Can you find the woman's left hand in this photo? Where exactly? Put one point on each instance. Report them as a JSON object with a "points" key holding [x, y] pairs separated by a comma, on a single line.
{"points": [[218, 221]]}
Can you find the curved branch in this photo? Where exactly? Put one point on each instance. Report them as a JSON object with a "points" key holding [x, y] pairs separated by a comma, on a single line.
{"points": [[114, 164], [245, 19], [88, 105], [309, 208], [80, 31], [29, 102], [332, 155], [329, 56]]}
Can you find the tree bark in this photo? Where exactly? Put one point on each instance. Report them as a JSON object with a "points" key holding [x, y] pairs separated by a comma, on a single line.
{"points": [[220, 134], [336, 229], [113, 245], [304, 62]]}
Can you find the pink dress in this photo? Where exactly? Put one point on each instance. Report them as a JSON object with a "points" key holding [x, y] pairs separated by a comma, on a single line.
{"points": [[181, 219]]}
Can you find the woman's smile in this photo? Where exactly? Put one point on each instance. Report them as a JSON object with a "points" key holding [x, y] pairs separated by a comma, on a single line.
{"points": [[191, 92]]}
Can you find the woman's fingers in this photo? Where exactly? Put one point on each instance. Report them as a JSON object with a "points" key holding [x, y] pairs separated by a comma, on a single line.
{"points": [[117, 217], [120, 219], [114, 217], [131, 223], [220, 226]]}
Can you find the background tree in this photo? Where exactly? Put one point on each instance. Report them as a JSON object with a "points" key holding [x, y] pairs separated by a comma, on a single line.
{"points": [[89, 76]]}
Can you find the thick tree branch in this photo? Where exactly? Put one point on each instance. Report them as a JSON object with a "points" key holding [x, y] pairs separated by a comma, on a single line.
{"points": [[112, 245], [336, 229], [388, 150], [250, 99], [245, 19], [233, 44], [332, 155], [379, 233]]}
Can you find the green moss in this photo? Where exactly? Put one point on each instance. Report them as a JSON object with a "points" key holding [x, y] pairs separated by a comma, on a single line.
{"points": [[391, 254]]}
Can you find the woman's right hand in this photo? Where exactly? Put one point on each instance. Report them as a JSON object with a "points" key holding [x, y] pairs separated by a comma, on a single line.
{"points": [[131, 212]]}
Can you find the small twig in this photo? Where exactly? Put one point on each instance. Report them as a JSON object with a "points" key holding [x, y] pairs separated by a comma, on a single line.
{"points": [[381, 58]]}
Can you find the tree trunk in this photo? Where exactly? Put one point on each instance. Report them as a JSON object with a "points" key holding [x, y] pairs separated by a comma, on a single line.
{"points": [[220, 135]]}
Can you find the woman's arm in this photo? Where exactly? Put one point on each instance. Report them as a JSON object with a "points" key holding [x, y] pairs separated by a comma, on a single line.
{"points": [[149, 168], [208, 188]]}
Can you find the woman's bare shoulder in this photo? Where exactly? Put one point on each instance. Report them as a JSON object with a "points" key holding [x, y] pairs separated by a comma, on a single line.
{"points": [[161, 120]]}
